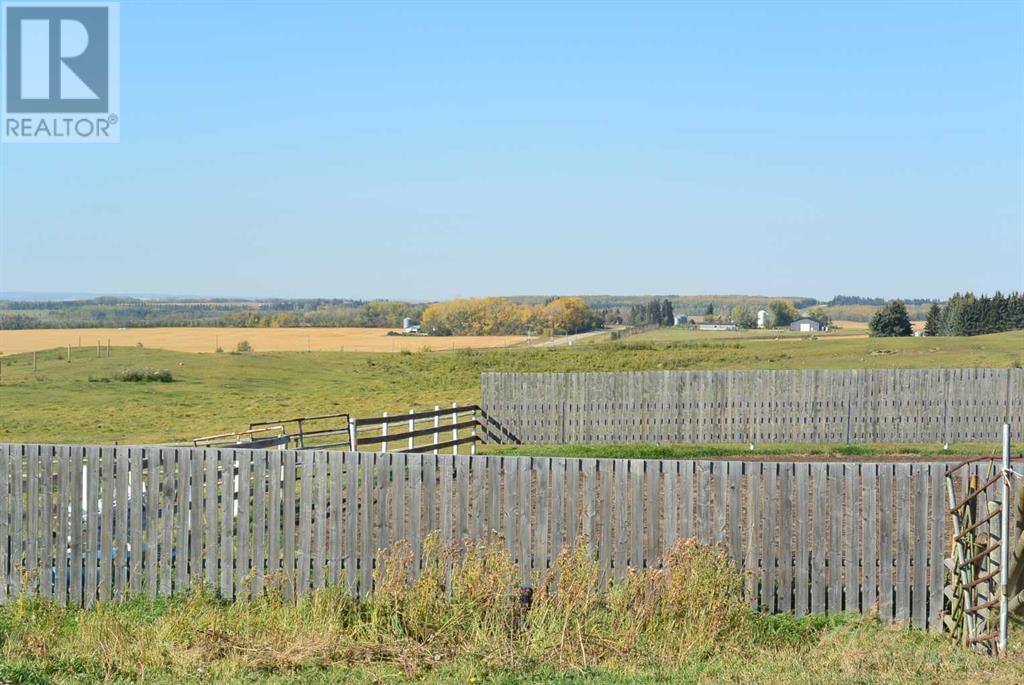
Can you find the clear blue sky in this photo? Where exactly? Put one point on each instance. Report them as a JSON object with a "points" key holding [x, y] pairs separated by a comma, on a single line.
{"points": [[426, 150]]}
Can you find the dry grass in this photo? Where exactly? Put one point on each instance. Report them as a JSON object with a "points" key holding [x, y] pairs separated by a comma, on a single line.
{"points": [[464, 620], [261, 339]]}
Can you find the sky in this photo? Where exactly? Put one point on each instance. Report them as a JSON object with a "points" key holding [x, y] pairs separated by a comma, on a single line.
{"points": [[433, 150]]}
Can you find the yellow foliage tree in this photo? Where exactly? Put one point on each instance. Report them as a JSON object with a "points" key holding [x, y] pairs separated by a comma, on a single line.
{"points": [[500, 316]]}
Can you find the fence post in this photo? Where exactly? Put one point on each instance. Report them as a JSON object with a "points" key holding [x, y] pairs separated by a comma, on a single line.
{"points": [[455, 431], [1004, 541], [472, 445], [353, 443], [437, 425], [412, 428], [849, 419], [384, 433]]}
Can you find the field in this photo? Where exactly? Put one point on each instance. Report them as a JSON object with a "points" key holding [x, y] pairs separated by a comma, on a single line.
{"points": [[864, 312], [208, 339], [211, 393]]}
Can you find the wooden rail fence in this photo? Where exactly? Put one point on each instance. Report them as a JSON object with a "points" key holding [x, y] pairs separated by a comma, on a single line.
{"points": [[441, 431], [835, 406]]}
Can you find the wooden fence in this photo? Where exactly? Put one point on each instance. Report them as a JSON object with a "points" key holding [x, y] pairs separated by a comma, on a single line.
{"points": [[82, 524], [420, 430], [834, 406]]}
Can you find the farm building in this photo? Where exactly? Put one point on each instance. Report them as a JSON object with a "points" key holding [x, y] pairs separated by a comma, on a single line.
{"points": [[717, 327], [681, 319], [805, 325], [762, 318]]}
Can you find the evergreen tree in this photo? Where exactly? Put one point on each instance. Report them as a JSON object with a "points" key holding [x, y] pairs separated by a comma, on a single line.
{"points": [[667, 315], [653, 312], [966, 314], [710, 311], [891, 321], [934, 321]]}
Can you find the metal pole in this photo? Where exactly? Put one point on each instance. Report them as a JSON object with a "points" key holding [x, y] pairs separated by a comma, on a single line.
{"points": [[1004, 541]]}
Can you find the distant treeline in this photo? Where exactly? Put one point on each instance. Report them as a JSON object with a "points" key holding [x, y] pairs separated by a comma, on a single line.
{"points": [[109, 312], [692, 305], [966, 314], [654, 312], [501, 316], [873, 301]]}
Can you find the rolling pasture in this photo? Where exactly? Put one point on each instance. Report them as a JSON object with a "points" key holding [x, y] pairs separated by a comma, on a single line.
{"points": [[79, 402]]}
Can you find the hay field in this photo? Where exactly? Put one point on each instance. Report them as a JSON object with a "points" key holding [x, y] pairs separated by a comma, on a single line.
{"points": [[262, 339], [850, 326]]}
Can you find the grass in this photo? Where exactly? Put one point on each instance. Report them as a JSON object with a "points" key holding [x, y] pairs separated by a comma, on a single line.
{"points": [[212, 392], [463, 621], [678, 334]]}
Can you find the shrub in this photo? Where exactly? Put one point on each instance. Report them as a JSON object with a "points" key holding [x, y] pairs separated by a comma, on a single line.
{"points": [[144, 375], [243, 346]]}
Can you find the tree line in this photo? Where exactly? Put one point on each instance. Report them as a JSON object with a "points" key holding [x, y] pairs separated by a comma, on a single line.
{"points": [[966, 314], [654, 312], [134, 313], [501, 316], [874, 301], [962, 315]]}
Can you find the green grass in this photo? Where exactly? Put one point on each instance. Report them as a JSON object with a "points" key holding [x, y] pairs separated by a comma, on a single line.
{"points": [[221, 392], [683, 334]]}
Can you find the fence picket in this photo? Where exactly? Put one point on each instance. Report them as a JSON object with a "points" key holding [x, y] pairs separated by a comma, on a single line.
{"points": [[885, 539], [259, 517]]}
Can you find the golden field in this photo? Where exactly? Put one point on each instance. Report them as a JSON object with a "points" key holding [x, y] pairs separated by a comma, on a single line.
{"points": [[261, 339]]}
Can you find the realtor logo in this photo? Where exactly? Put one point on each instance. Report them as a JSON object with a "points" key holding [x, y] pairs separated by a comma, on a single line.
{"points": [[61, 68]]}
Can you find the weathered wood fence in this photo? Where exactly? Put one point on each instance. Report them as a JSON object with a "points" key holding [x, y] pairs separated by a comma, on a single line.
{"points": [[835, 406], [87, 524]]}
